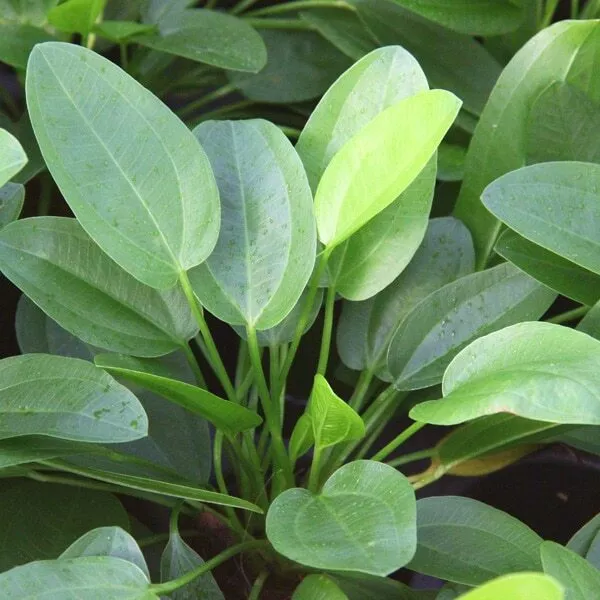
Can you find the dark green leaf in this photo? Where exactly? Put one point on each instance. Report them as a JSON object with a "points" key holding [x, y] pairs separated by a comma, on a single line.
{"points": [[586, 542], [451, 162], [121, 31], [17, 41], [360, 586], [31, 448], [12, 196]]}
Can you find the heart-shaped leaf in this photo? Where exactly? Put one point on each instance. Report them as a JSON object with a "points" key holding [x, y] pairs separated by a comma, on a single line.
{"points": [[318, 587], [518, 586], [223, 414], [12, 196], [406, 134], [12, 156], [534, 370], [66, 398], [466, 541], [139, 184], [362, 520], [262, 260]]}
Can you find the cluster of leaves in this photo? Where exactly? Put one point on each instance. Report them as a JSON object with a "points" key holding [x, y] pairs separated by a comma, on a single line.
{"points": [[229, 218]]}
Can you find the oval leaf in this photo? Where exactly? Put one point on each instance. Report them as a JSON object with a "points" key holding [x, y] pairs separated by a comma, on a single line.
{"points": [[262, 260], [518, 586], [363, 520], [139, 184], [12, 196], [12, 156], [534, 370]]}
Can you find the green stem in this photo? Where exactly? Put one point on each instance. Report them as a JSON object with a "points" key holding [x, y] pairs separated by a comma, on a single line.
{"points": [[219, 112], [123, 56], [327, 331], [288, 24], [278, 9], [192, 107], [315, 469], [551, 6], [191, 359], [361, 390], [397, 441], [366, 444], [170, 586], [210, 3], [570, 315], [258, 585], [574, 9], [211, 348], [291, 132], [159, 538], [46, 188], [412, 457], [242, 6]]}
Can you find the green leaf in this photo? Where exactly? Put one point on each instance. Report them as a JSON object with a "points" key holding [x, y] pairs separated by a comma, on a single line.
{"points": [[26, 11], [12, 197], [366, 328], [302, 438], [12, 156], [121, 31], [343, 29], [562, 275], [554, 205], [17, 42], [301, 66], [60, 268], [450, 60], [41, 519], [32, 448], [586, 542], [363, 520], [435, 331], [66, 398], [561, 124], [262, 260], [584, 438], [485, 17], [563, 52], [97, 577], [139, 184], [156, 11], [209, 37], [534, 370], [518, 586], [223, 414], [76, 16], [177, 559], [580, 579], [359, 586], [590, 323], [333, 421], [108, 541], [406, 134], [466, 541], [451, 162], [318, 587]]}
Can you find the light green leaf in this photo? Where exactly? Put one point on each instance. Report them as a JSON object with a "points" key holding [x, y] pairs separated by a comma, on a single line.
{"points": [[363, 520], [262, 260], [17, 42], [98, 577], [121, 31], [12, 156], [580, 579], [563, 52], [555, 205], [563, 276], [318, 587], [12, 196], [518, 586], [139, 184], [301, 66], [60, 268], [76, 16], [586, 542], [32, 448], [224, 414], [66, 398], [210, 37], [485, 17], [406, 134], [366, 328], [534, 370], [466, 541], [302, 438], [333, 421], [39, 520], [26, 11], [450, 60], [108, 541], [447, 320]]}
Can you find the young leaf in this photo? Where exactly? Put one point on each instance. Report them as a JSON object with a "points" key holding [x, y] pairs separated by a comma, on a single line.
{"points": [[558, 53], [534, 370], [518, 586], [366, 328], [108, 541], [405, 134], [563, 276], [60, 268], [262, 260], [447, 320], [363, 520], [12, 156], [199, 35], [17, 42], [333, 421], [39, 520], [554, 205], [140, 184], [32, 448], [66, 398], [12, 196], [580, 579], [466, 541], [318, 587], [97, 577], [225, 415], [76, 16]]}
